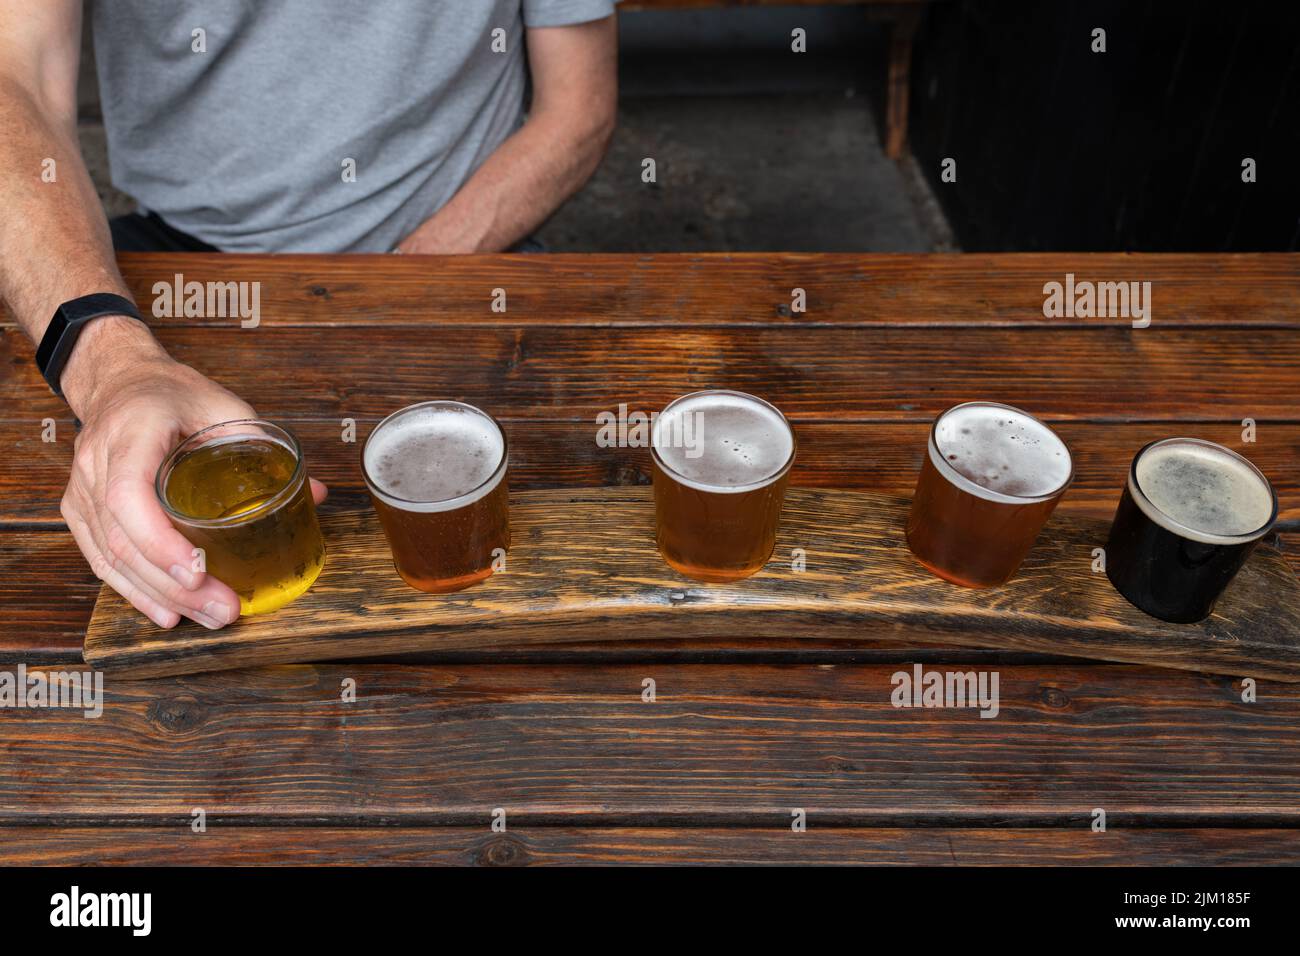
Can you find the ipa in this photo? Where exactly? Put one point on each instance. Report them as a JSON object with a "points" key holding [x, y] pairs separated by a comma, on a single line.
{"points": [[437, 477], [239, 491], [721, 460], [1189, 516], [991, 476]]}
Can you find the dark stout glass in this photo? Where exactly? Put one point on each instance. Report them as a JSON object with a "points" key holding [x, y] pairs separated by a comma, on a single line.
{"points": [[436, 472], [991, 477], [239, 491], [1189, 517], [721, 460]]}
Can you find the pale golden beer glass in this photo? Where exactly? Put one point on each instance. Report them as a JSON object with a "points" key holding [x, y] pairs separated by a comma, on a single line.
{"points": [[239, 491], [721, 462]]}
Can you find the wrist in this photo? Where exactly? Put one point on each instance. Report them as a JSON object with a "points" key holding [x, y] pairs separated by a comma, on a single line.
{"points": [[105, 349]]}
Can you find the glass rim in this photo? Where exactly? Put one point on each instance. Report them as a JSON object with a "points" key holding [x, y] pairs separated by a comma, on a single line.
{"points": [[284, 437], [1172, 524], [724, 489], [965, 483], [418, 505]]}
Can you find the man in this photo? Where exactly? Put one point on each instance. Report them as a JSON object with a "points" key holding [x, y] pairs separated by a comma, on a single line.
{"points": [[294, 125]]}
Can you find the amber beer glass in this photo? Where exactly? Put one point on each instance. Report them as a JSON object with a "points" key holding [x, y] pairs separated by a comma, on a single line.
{"points": [[437, 477], [239, 491], [721, 460], [1189, 517], [990, 479]]}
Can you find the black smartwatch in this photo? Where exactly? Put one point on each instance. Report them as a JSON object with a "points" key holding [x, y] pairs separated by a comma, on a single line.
{"points": [[70, 318]]}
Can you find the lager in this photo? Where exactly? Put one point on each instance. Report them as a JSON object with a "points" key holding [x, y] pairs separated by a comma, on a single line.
{"points": [[991, 478], [1189, 516], [239, 491], [436, 473], [721, 460]]}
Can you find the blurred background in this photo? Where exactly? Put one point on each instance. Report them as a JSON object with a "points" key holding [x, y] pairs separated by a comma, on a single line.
{"points": [[841, 148]]}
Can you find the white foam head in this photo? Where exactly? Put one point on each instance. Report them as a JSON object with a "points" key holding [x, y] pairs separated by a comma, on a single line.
{"points": [[1202, 491], [999, 453], [434, 456], [723, 441]]}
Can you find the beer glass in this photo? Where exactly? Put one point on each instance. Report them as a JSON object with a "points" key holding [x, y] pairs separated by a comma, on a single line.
{"points": [[436, 472], [1188, 518], [991, 477], [721, 459], [239, 491]]}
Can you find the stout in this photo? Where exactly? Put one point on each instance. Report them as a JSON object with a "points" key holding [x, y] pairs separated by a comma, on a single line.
{"points": [[991, 477], [721, 460], [239, 491], [436, 472], [1190, 514]]}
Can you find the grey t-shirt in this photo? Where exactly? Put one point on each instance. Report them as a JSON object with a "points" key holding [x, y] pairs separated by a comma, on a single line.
{"points": [[244, 146]]}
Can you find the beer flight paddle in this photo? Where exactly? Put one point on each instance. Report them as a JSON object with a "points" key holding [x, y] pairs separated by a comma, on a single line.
{"points": [[432, 569], [583, 568]]}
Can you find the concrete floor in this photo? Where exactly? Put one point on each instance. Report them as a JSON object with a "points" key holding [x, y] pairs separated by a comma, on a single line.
{"points": [[796, 172]]}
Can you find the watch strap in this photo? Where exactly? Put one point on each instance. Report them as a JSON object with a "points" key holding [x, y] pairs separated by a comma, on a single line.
{"points": [[69, 319]]}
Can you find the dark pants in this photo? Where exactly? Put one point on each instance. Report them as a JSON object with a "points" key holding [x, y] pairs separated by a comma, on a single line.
{"points": [[148, 233]]}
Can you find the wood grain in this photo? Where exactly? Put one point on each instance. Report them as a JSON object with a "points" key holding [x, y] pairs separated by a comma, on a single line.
{"points": [[583, 566], [566, 846], [720, 746], [47, 595], [828, 374], [1241, 290]]}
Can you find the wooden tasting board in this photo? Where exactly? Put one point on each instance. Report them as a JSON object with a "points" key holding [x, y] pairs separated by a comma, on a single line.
{"points": [[583, 567]]}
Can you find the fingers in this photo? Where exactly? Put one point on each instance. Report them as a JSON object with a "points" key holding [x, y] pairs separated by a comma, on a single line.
{"points": [[133, 506], [103, 569], [319, 490], [212, 604]]}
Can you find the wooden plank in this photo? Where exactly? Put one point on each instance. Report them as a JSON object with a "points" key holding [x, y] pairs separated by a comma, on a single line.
{"points": [[564, 846], [583, 566], [719, 746], [899, 78], [47, 595], [867, 456], [733, 288], [829, 373]]}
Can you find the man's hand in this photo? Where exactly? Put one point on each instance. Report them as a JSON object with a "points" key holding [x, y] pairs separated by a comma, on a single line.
{"points": [[136, 404], [575, 95]]}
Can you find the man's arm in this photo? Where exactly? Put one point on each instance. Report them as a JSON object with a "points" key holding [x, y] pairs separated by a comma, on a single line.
{"points": [[529, 176], [135, 401]]}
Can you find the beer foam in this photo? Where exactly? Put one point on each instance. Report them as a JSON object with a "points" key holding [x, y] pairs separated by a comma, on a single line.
{"points": [[434, 457], [723, 441], [999, 453], [1204, 488]]}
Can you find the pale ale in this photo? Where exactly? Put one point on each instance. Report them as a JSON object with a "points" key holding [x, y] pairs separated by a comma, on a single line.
{"points": [[991, 476], [436, 472], [721, 461], [239, 491], [1189, 516]]}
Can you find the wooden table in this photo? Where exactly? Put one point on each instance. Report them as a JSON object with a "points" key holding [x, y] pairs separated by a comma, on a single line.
{"points": [[742, 732]]}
